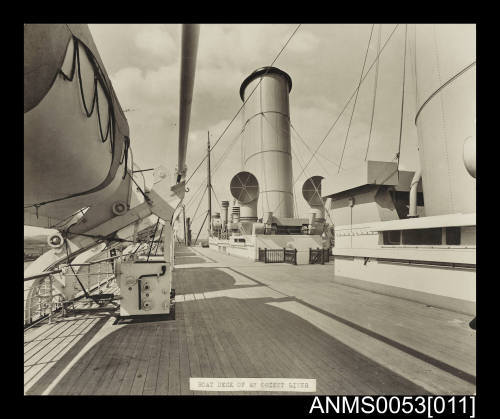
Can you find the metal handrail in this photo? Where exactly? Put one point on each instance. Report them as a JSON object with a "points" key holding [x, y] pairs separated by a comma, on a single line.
{"points": [[95, 261], [42, 275], [42, 303]]}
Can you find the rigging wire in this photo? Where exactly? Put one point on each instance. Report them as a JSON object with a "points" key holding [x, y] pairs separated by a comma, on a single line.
{"points": [[65, 220], [217, 199], [310, 151], [245, 101], [355, 99], [153, 238], [402, 98], [74, 273], [216, 166], [218, 163], [199, 203], [374, 91], [146, 197], [352, 95], [316, 190], [159, 239], [347, 103]]}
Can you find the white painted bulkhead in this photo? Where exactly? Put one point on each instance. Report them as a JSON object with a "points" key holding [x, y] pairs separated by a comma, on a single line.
{"points": [[438, 275]]}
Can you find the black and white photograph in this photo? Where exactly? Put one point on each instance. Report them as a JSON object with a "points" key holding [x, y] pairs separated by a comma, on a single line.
{"points": [[252, 209]]}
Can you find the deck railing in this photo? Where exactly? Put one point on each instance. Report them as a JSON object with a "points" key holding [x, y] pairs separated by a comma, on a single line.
{"points": [[278, 255], [42, 299], [319, 256]]}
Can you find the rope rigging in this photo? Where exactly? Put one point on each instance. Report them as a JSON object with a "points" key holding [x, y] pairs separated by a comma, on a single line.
{"points": [[402, 99], [355, 99], [316, 190], [63, 221], [346, 104], [217, 199], [352, 95], [74, 273], [374, 92], [153, 238], [310, 151], [217, 166]]}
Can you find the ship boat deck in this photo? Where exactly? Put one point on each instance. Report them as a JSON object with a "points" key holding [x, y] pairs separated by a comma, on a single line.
{"points": [[238, 318]]}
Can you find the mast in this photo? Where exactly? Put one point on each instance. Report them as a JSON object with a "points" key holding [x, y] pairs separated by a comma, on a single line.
{"points": [[190, 37], [209, 187], [184, 222]]}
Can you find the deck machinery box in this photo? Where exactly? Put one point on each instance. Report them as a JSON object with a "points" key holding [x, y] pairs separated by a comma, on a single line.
{"points": [[145, 287]]}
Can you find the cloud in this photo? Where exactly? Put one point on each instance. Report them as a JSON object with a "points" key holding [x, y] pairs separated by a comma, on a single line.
{"points": [[156, 40], [303, 42], [324, 62]]}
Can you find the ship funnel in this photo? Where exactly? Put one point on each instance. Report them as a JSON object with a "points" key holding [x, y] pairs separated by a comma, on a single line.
{"points": [[311, 191], [266, 140], [245, 189]]}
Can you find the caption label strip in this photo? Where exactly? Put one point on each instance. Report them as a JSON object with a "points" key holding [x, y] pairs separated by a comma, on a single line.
{"points": [[302, 385]]}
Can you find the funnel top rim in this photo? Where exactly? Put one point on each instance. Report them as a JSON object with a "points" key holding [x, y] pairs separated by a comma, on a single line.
{"points": [[261, 72]]}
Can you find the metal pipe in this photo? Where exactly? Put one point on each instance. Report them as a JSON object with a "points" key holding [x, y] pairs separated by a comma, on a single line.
{"points": [[190, 36], [413, 193]]}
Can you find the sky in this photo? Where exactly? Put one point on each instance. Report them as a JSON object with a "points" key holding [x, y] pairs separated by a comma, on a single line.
{"points": [[324, 62]]}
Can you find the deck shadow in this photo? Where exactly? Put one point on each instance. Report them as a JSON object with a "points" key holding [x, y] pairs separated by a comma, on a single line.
{"points": [[47, 379], [196, 280], [188, 259], [226, 337]]}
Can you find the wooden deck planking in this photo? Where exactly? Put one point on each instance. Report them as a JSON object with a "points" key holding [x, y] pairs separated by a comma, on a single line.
{"points": [[174, 380], [185, 369], [248, 345], [132, 335], [322, 360], [164, 362], [129, 374], [57, 353], [153, 364], [438, 333], [41, 331], [199, 316], [109, 363], [277, 347], [222, 351], [90, 377], [195, 331], [48, 337], [142, 366], [296, 343], [209, 344], [285, 336], [185, 260], [73, 379], [229, 337], [34, 374], [198, 361]]}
